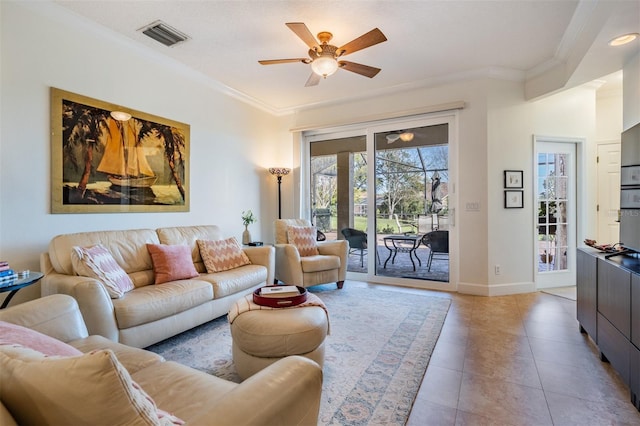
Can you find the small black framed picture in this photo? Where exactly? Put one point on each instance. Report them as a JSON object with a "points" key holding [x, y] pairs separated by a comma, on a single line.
{"points": [[513, 199], [513, 179]]}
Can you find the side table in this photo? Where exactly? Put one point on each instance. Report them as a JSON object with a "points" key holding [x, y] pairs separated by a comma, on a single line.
{"points": [[32, 278], [402, 244]]}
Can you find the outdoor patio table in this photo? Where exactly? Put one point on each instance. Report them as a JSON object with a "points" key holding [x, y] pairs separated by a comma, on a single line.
{"points": [[402, 244]]}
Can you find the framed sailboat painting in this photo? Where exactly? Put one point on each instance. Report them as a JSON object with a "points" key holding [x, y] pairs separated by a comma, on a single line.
{"points": [[106, 158]]}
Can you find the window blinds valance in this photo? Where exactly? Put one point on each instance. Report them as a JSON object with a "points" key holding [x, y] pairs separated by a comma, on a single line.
{"points": [[386, 116]]}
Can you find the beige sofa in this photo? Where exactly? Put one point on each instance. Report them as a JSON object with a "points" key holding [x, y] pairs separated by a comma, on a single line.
{"points": [[151, 313], [284, 393]]}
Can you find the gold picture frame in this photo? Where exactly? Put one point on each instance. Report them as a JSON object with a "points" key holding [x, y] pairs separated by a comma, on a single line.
{"points": [[109, 159]]}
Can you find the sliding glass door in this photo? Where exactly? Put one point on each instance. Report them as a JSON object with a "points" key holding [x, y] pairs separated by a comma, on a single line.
{"points": [[339, 190], [386, 189], [412, 202]]}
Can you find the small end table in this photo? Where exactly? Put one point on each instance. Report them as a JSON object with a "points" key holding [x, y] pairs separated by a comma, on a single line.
{"points": [[32, 278]]}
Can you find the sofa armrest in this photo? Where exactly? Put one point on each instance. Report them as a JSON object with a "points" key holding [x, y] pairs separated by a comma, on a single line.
{"points": [[93, 300], [287, 392], [6, 419], [288, 266], [265, 256], [133, 359], [57, 316], [338, 248]]}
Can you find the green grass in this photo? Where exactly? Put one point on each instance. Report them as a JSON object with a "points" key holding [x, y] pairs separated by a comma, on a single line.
{"points": [[360, 222]]}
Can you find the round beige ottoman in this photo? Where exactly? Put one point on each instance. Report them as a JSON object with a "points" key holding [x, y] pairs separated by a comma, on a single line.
{"points": [[261, 337]]}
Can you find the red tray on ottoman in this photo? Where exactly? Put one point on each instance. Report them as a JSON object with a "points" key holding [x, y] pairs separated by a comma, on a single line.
{"points": [[280, 302]]}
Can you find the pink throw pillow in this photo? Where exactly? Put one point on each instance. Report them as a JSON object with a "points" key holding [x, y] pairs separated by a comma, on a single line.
{"points": [[97, 262], [222, 255], [171, 262], [12, 334], [304, 238]]}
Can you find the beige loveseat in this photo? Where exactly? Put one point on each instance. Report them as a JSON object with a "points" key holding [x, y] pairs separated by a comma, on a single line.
{"points": [[284, 393], [151, 313]]}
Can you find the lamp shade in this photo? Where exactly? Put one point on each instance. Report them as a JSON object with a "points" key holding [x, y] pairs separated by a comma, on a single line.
{"points": [[279, 171], [324, 65]]}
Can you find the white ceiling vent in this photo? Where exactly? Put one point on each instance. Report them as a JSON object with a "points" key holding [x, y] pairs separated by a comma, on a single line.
{"points": [[165, 34]]}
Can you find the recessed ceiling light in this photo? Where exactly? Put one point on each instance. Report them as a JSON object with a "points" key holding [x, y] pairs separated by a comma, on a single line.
{"points": [[623, 39]]}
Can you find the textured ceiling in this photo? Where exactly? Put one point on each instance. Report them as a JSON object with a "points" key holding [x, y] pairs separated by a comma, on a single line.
{"points": [[429, 42]]}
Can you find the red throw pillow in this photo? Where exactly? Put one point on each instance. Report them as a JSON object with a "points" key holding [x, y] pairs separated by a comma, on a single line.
{"points": [[171, 262]]}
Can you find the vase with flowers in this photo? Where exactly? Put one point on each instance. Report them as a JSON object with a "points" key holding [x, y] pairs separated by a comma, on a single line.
{"points": [[247, 219]]}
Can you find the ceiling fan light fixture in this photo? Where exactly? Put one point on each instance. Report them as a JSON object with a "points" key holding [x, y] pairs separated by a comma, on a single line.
{"points": [[324, 65], [406, 136]]}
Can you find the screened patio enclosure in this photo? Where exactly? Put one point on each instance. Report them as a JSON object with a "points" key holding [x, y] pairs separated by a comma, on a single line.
{"points": [[410, 187]]}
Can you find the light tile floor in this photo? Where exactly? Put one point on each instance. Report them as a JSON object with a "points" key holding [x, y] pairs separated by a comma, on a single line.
{"points": [[517, 360]]}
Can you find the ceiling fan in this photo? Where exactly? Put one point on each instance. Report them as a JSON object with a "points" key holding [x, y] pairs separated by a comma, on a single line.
{"points": [[323, 56]]}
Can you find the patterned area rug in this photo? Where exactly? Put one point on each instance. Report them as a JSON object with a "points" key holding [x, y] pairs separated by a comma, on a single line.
{"points": [[376, 355]]}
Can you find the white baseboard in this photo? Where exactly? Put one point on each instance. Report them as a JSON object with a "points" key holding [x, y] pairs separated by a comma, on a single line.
{"points": [[496, 289]]}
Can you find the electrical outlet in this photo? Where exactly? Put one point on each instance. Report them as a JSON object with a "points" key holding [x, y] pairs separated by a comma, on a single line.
{"points": [[497, 269]]}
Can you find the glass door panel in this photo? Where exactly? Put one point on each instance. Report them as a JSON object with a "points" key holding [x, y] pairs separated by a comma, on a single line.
{"points": [[412, 192], [552, 212], [338, 173], [555, 205]]}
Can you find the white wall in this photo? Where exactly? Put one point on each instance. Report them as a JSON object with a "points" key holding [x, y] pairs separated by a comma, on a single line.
{"points": [[631, 93], [496, 130], [608, 115], [232, 143]]}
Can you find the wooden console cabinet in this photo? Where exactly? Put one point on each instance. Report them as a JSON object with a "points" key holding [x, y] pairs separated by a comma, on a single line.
{"points": [[608, 309]]}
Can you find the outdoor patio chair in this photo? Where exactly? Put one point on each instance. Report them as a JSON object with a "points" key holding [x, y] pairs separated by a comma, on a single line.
{"points": [[438, 243], [357, 242]]}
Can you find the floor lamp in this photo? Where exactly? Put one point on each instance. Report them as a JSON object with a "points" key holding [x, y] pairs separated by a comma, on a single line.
{"points": [[279, 172]]}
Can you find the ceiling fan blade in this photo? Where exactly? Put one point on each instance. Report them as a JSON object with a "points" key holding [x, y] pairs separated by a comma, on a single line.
{"points": [[371, 38], [303, 32], [284, 61], [313, 80], [365, 70]]}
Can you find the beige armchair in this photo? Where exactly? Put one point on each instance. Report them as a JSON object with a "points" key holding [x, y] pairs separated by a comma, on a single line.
{"points": [[330, 265]]}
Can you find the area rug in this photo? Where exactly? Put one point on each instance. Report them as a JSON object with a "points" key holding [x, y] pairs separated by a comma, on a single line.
{"points": [[376, 355]]}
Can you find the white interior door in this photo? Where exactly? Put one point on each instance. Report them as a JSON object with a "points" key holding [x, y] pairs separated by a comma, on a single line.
{"points": [[555, 234], [608, 171]]}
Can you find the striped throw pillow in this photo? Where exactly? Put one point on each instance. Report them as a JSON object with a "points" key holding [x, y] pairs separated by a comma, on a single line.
{"points": [[222, 255], [97, 262], [304, 238]]}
